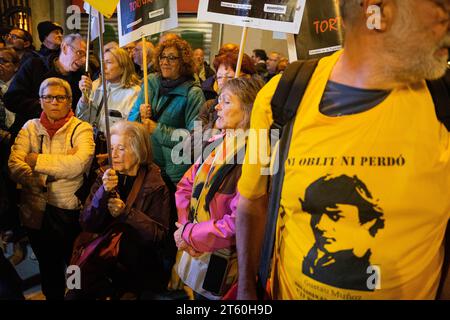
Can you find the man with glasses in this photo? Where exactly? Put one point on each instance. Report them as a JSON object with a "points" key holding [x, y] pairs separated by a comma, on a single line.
{"points": [[22, 42], [22, 96]]}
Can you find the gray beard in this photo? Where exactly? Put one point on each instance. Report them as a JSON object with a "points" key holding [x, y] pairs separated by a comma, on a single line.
{"points": [[410, 55]]}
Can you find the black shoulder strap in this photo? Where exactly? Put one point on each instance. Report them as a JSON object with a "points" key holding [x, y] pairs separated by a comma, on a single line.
{"points": [[220, 177], [285, 104], [73, 132], [161, 110], [289, 92], [440, 91]]}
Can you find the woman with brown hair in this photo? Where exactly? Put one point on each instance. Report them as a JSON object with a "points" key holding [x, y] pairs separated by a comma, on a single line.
{"points": [[174, 101]]}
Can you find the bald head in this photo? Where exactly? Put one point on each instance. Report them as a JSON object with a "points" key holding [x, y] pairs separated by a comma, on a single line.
{"points": [[199, 56], [138, 52]]}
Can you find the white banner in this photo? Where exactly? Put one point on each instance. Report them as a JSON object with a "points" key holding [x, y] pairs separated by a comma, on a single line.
{"points": [[94, 21], [274, 15], [138, 18]]}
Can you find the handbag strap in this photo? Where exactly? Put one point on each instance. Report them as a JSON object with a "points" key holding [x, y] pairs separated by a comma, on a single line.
{"points": [[137, 185], [161, 110]]}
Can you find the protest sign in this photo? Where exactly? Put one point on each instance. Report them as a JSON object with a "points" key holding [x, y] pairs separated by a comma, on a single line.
{"points": [[138, 18], [273, 15], [321, 32]]}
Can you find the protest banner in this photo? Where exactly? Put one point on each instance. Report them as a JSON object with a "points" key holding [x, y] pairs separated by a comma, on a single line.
{"points": [[321, 32], [273, 15], [138, 18]]}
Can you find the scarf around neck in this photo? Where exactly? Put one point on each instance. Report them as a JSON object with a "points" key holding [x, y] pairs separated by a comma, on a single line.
{"points": [[167, 84], [52, 128]]}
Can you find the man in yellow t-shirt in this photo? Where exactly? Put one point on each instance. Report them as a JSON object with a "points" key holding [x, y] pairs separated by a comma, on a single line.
{"points": [[365, 203]]}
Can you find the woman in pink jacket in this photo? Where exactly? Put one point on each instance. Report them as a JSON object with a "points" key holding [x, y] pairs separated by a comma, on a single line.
{"points": [[207, 197]]}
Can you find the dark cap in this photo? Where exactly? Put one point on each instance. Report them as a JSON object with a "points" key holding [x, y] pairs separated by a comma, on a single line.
{"points": [[46, 27]]}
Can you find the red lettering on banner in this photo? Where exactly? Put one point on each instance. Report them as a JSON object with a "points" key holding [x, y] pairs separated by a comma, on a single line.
{"points": [[139, 3], [323, 26]]}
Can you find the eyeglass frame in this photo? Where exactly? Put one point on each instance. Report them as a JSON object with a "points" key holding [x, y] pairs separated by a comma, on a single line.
{"points": [[170, 59], [58, 97], [77, 52], [13, 36], [4, 61]]}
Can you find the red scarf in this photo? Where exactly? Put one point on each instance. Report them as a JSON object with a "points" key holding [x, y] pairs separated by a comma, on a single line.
{"points": [[58, 124]]}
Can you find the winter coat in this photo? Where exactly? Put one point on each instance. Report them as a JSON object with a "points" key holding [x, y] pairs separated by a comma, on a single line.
{"points": [[186, 101], [119, 98], [220, 231], [59, 169], [149, 214]]}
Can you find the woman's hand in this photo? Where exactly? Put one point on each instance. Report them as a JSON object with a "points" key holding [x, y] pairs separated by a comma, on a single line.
{"points": [[149, 125], [145, 111], [116, 206], [181, 244], [85, 86], [31, 160], [110, 180]]}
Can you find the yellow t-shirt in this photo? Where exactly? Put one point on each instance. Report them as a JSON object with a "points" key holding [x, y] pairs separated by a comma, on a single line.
{"points": [[365, 200]]}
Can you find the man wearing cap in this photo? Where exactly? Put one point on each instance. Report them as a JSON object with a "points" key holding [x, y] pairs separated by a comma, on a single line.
{"points": [[50, 34]]}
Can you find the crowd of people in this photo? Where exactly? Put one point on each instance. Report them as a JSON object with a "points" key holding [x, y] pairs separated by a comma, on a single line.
{"points": [[52, 135], [145, 220]]}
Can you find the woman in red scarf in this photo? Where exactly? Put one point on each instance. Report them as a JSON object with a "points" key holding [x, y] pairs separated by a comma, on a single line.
{"points": [[48, 159]]}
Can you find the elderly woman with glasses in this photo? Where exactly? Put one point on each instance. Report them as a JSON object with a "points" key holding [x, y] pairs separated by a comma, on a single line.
{"points": [[174, 101], [48, 159]]}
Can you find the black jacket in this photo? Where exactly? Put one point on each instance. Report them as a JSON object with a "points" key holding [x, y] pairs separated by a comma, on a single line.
{"points": [[45, 52], [22, 96]]}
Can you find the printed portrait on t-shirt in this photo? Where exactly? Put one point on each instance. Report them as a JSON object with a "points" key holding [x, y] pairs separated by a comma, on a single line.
{"points": [[344, 220]]}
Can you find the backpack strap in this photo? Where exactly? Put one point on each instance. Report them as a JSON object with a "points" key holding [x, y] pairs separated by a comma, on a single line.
{"points": [[285, 104], [440, 91], [73, 132]]}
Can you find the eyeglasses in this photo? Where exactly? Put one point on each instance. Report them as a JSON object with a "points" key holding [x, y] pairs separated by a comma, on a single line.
{"points": [[4, 61], [79, 53], [225, 77], [49, 99], [12, 36], [170, 59]]}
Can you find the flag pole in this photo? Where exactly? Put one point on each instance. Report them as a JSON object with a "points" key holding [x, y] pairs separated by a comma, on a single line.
{"points": [[144, 66], [105, 96], [241, 51], [88, 40], [292, 50]]}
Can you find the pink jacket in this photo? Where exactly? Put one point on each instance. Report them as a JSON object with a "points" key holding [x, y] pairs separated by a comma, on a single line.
{"points": [[220, 231]]}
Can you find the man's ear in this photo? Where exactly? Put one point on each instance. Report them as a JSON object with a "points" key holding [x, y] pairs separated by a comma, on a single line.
{"points": [[26, 44], [63, 47], [378, 14]]}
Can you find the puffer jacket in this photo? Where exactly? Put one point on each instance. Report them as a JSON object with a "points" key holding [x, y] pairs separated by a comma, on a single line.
{"points": [[119, 98], [59, 169], [186, 101]]}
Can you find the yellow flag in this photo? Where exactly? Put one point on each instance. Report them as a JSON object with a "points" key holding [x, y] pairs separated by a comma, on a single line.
{"points": [[105, 7]]}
